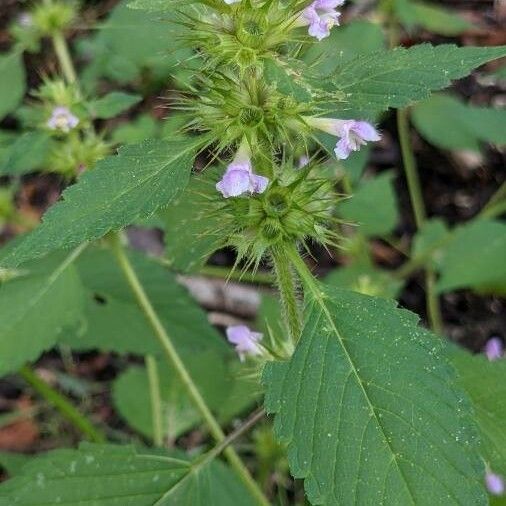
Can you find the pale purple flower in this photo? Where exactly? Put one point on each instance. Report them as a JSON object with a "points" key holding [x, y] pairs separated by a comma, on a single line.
{"points": [[353, 134], [62, 119], [25, 19], [321, 16], [494, 348], [303, 161], [245, 341], [494, 483], [240, 179]]}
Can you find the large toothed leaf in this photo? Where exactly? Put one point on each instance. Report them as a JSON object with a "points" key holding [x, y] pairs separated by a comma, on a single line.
{"points": [[36, 305], [111, 475], [369, 410], [377, 81], [132, 184]]}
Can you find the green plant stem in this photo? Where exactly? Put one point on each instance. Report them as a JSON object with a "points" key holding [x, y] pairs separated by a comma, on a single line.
{"points": [[214, 271], [416, 197], [63, 55], [62, 404], [308, 280], [155, 397], [287, 290], [179, 367]]}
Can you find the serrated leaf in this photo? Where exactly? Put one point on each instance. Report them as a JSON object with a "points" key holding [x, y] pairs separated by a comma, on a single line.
{"points": [[373, 207], [13, 82], [431, 17], [369, 410], [474, 257], [107, 475], [286, 80], [377, 81], [133, 184], [348, 42], [113, 104], [448, 123], [35, 307], [28, 152]]}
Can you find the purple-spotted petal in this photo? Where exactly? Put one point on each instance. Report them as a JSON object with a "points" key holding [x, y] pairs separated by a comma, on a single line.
{"points": [[234, 183], [494, 348], [494, 483]]}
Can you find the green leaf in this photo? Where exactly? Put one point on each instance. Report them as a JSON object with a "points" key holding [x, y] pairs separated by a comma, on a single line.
{"points": [[377, 81], [13, 82], [485, 384], [142, 128], [115, 322], [431, 17], [369, 411], [474, 258], [286, 80], [13, 463], [113, 104], [36, 307], [448, 123], [179, 414], [373, 207], [429, 240], [131, 44], [365, 279], [136, 182], [107, 475], [27, 153], [348, 42], [187, 223]]}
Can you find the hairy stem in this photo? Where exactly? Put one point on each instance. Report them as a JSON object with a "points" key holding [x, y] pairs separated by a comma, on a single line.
{"points": [[180, 369], [63, 55], [287, 289], [62, 404], [155, 398], [415, 194]]}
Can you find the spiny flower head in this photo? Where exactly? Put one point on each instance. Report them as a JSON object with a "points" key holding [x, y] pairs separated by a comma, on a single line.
{"points": [[296, 206], [230, 109]]}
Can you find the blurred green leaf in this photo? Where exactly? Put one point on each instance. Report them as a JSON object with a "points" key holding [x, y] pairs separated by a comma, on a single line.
{"points": [[113, 104], [429, 240], [12, 82], [431, 17], [27, 153], [474, 258], [365, 279], [373, 206], [450, 124], [37, 307], [141, 128]]}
